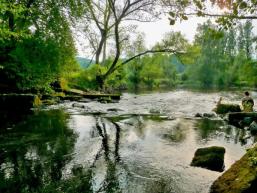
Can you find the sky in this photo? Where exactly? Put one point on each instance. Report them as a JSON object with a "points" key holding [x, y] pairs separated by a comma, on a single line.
{"points": [[154, 31]]}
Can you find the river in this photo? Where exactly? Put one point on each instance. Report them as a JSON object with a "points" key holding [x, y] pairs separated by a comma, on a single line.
{"points": [[142, 144]]}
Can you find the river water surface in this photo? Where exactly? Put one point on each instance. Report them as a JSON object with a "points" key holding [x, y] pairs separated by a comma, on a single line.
{"points": [[143, 143]]}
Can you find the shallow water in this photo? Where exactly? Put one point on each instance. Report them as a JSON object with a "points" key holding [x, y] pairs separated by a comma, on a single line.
{"points": [[143, 143]]}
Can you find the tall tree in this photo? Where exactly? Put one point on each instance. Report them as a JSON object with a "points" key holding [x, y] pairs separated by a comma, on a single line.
{"points": [[109, 17], [36, 41]]}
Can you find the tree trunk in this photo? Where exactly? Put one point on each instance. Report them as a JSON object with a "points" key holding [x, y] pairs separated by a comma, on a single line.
{"points": [[100, 81], [100, 47]]}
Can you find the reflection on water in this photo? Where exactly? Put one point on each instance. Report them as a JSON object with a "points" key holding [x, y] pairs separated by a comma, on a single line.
{"points": [[34, 152], [137, 154], [70, 151]]}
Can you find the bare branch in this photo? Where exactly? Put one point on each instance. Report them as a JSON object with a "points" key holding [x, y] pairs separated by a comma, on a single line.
{"points": [[148, 52], [224, 15]]}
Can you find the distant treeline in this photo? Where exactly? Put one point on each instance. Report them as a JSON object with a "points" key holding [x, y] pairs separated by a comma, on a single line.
{"points": [[216, 59]]}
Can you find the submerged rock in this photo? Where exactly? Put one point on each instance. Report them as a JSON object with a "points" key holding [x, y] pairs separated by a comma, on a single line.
{"points": [[77, 169], [78, 105], [105, 100], [246, 121], [198, 115], [253, 128], [211, 158], [209, 115], [241, 177], [85, 100], [114, 110], [155, 111]]}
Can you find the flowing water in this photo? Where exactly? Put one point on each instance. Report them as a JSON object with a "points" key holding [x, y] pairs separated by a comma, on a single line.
{"points": [[143, 143]]}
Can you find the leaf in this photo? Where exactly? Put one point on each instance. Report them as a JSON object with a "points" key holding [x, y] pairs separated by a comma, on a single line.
{"points": [[172, 21], [184, 17], [243, 5], [172, 14]]}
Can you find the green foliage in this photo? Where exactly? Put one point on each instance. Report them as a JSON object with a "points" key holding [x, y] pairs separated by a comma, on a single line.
{"points": [[221, 59], [36, 44], [158, 70], [228, 12], [86, 79], [47, 135]]}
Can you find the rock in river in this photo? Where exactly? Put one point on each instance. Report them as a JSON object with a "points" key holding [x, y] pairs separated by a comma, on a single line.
{"points": [[241, 177], [253, 127], [226, 108], [211, 158]]}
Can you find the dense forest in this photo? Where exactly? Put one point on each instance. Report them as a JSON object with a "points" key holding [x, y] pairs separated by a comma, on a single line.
{"points": [[38, 47]]}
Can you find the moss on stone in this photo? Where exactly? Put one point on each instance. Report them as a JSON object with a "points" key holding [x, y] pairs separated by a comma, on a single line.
{"points": [[210, 158], [37, 102], [240, 178], [227, 108]]}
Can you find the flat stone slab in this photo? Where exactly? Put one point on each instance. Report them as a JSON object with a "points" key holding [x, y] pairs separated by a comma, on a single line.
{"points": [[115, 96], [241, 115], [239, 118], [211, 158]]}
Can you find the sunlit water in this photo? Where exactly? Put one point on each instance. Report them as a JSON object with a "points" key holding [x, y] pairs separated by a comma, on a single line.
{"points": [[143, 143]]}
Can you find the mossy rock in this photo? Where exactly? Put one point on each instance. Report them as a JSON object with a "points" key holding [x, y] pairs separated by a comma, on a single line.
{"points": [[227, 108], [211, 158], [241, 177], [19, 102], [253, 128]]}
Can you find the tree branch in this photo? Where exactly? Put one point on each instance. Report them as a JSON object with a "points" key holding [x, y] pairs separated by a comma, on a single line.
{"points": [[225, 15], [147, 52]]}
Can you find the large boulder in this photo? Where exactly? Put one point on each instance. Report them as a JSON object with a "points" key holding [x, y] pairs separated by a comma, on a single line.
{"points": [[227, 108], [242, 119], [211, 158], [241, 177]]}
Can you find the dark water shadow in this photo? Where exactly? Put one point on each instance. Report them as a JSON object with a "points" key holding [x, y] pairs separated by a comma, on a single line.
{"points": [[34, 153]]}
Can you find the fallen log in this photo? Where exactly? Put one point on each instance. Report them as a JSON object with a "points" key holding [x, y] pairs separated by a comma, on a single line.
{"points": [[115, 96]]}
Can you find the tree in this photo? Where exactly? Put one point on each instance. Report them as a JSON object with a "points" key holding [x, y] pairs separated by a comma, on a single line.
{"points": [[174, 41], [135, 67], [151, 72], [36, 42], [109, 18], [246, 38], [226, 11]]}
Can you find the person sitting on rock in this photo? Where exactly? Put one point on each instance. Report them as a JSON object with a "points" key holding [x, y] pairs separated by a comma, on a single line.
{"points": [[247, 102]]}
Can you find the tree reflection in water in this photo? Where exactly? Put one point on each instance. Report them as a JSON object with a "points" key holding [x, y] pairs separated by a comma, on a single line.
{"points": [[112, 158], [34, 152]]}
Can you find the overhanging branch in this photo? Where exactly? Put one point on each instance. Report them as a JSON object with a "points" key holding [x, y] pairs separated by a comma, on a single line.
{"points": [[225, 15], [147, 52]]}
